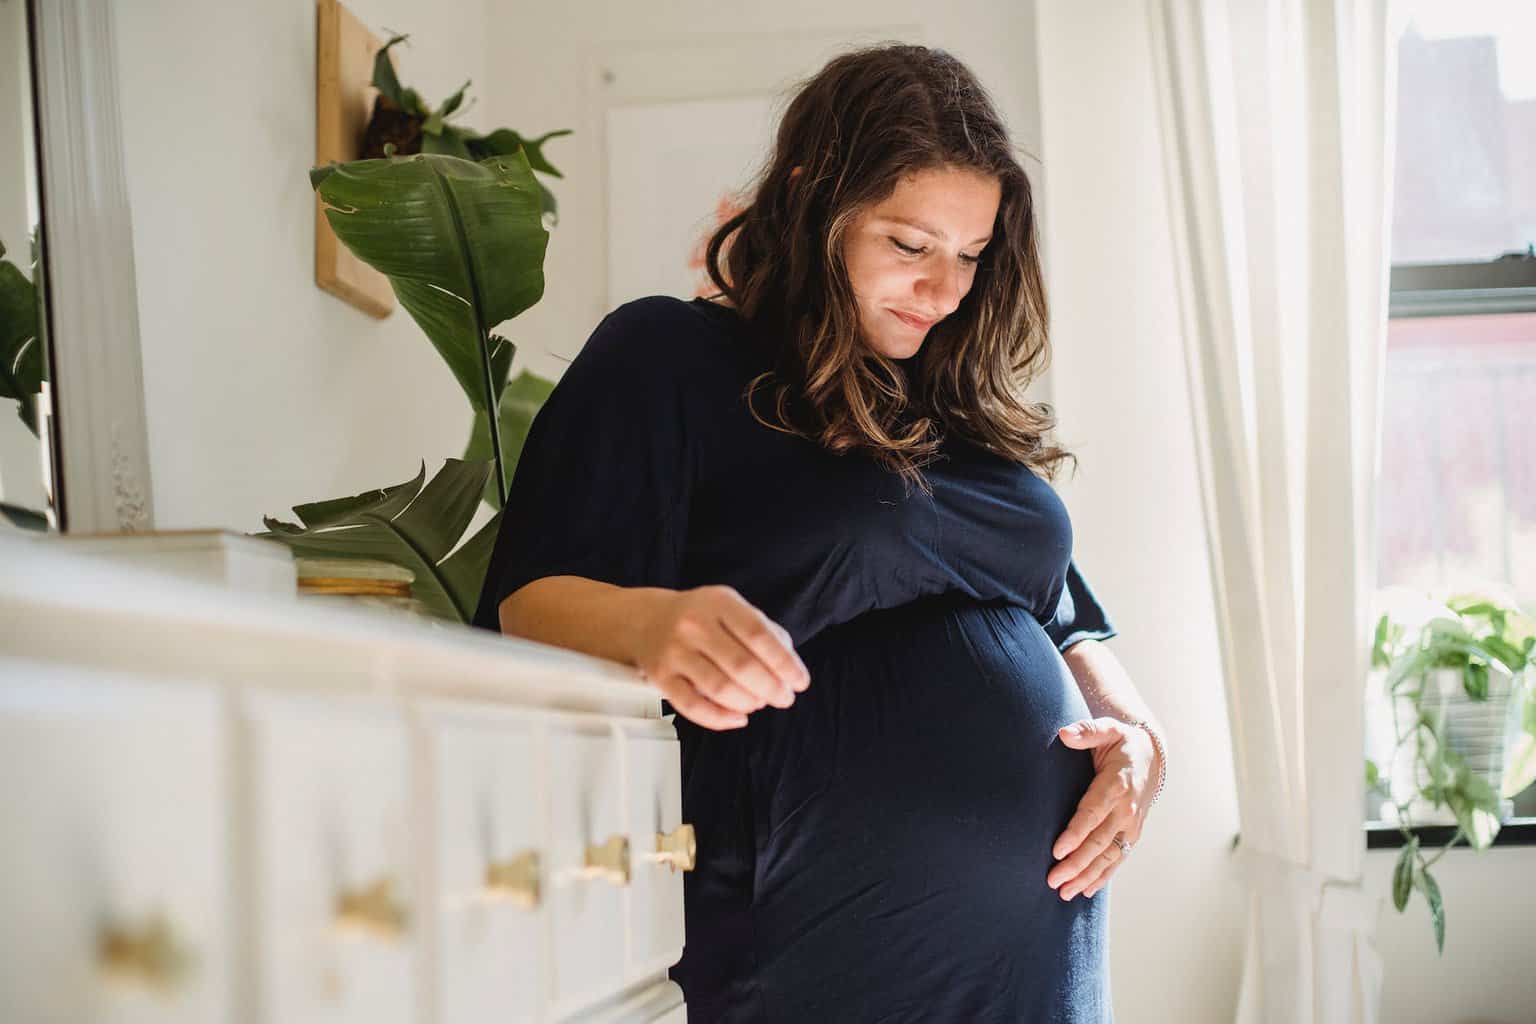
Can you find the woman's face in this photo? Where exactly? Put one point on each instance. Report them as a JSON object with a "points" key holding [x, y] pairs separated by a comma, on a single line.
{"points": [[914, 254]]}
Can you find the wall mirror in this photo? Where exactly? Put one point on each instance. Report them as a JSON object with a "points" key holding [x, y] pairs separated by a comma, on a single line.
{"points": [[75, 373]]}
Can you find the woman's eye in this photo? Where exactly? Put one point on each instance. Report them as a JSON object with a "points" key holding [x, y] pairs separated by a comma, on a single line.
{"points": [[910, 251]]}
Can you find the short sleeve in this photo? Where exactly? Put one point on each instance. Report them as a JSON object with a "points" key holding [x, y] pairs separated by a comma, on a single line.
{"points": [[1079, 616], [602, 481]]}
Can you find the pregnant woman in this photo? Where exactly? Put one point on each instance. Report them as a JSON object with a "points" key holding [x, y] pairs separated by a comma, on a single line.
{"points": [[813, 511]]}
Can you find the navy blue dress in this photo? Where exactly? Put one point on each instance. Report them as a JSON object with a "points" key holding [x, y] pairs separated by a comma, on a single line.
{"points": [[878, 851]]}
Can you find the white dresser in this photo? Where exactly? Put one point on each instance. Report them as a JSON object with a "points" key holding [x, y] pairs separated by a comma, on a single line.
{"points": [[222, 806]]}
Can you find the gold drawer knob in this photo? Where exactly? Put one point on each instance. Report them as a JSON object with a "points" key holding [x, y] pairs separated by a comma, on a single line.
{"points": [[608, 860], [515, 879], [149, 957], [371, 910], [676, 849]]}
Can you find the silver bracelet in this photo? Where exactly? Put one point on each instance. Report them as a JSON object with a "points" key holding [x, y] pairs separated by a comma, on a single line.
{"points": [[1162, 764]]}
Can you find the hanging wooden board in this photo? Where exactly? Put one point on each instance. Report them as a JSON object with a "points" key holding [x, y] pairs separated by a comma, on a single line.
{"points": [[344, 54]]}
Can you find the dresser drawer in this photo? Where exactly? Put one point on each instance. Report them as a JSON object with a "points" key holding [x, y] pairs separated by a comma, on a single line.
{"points": [[589, 869], [336, 938], [662, 848], [484, 772], [114, 876]]}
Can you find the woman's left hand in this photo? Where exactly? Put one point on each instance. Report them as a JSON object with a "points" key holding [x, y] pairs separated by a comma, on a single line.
{"points": [[1125, 763]]}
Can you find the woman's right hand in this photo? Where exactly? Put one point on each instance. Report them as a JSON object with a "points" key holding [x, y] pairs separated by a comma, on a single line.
{"points": [[715, 657]]}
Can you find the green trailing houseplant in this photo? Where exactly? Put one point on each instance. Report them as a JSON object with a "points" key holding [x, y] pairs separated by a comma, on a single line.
{"points": [[1484, 647], [462, 242]]}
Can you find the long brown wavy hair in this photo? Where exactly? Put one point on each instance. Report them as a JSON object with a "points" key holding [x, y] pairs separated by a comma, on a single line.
{"points": [[849, 134]]}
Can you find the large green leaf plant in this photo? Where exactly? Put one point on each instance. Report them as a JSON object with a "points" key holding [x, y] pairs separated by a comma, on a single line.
{"points": [[407, 525], [462, 242]]}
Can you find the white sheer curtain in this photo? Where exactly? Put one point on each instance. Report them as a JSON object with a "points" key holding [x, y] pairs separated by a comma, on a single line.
{"points": [[1277, 123]]}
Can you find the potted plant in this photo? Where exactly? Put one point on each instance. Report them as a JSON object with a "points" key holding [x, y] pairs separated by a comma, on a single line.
{"points": [[462, 242], [403, 124], [1455, 684]]}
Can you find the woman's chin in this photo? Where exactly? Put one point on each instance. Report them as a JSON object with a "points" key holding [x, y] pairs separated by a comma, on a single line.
{"points": [[896, 348]]}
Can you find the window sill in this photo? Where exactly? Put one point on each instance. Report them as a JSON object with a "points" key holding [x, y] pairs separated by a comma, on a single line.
{"points": [[1382, 836]]}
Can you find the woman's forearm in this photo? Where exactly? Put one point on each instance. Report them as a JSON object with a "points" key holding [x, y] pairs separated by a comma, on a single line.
{"points": [[580, 614], [1107, 687]]}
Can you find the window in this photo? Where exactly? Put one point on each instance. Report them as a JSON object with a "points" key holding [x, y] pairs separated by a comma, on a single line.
{"points": [[1457, 493]]}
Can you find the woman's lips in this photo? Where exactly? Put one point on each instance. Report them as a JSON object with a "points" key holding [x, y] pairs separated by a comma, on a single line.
{"points": [[912, 321]]}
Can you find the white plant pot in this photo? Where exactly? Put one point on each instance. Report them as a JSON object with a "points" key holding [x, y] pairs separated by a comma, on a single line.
{"points": [[1483, 732]]}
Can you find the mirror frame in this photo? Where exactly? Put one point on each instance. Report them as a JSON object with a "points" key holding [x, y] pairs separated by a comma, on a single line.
{"points": [[101, 455]]}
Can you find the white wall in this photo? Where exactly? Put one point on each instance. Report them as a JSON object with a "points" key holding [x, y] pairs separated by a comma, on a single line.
{"points": [[263, 391], [1120, 383]]}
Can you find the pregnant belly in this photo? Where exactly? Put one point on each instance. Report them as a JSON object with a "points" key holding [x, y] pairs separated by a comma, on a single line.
{"points": [[906, 804], [944, 710]]}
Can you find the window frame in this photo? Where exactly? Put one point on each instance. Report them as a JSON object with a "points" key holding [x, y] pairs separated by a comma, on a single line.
{"points": [[1506, 284]]}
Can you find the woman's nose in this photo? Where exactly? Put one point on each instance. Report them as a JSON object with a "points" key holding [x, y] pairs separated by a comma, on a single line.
{"points": [[943, 287]]}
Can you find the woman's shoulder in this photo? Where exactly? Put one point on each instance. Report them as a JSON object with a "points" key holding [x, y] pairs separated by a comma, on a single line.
{"points": [[662, 334], [690, 316]]}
